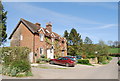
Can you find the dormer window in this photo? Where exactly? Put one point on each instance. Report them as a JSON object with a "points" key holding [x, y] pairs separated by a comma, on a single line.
{"points": [[41, 37], [52, 40]]}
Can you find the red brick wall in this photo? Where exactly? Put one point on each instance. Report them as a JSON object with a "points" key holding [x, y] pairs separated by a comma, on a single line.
{"points": [[39, 44], [32, 41], [27, 37]]}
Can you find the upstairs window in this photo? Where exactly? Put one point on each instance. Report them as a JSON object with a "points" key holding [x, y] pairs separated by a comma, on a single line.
{"points": [[52, 40], [21, 37], [41, 37]]}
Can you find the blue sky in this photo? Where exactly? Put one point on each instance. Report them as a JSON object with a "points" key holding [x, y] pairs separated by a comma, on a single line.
{"points": [[97, 20]]}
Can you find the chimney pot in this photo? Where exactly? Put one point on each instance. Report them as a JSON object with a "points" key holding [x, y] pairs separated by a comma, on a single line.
{"points": [[37, 24], [49, 26]]}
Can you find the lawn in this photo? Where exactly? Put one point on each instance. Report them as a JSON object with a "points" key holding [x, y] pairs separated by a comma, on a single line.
{"points": [[114, 50]]}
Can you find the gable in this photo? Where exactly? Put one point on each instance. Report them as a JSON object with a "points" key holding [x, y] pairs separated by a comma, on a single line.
{"points": [[31, 27], [41, 29]]}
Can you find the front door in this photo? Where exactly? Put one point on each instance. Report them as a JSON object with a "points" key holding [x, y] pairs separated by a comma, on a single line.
{"points": [[50, 53]]}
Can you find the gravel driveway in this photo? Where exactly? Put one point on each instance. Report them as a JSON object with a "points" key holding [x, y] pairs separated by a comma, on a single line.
{"points": [[109, 71]]}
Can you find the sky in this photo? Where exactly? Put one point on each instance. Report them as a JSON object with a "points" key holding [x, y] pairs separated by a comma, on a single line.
{"points": [[96, 20]]}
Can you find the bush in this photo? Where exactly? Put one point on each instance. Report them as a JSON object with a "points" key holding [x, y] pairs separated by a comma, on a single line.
{"points": [[109, 58], [21, 65], [42, 60], [83, 61], [102, 59], [42, 56], [91, 56], [118, 63], [15, 61]]}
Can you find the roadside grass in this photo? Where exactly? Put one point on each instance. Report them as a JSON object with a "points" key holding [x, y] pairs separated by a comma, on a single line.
{"points": [[51, 68], [114, 50], [86, 64], [47, 67]]}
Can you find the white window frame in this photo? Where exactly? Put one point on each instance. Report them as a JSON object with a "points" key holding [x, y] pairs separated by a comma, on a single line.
{"points": [[52, 39], [21, 37], [41, 37]]}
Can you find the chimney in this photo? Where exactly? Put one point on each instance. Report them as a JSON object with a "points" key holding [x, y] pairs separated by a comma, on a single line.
{"points": [[37, 24], [49, 27]]}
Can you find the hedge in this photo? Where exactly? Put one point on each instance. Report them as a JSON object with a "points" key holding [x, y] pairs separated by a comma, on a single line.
{"points": [[83, 61], [118, 63], [102, 59], [16, 61]]}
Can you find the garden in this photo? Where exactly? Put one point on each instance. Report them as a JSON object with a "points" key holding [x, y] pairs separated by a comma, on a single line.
{"points": [[15, 61]]}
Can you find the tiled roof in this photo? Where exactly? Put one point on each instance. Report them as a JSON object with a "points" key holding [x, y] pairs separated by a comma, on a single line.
{"points": [[34, 29]]}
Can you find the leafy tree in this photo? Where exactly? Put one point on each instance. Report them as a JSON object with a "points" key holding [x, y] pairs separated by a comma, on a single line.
{"points": [[74, 42], [74, 37], [87, 40], [102, 48], [57, 50], [3, 18], [110, 43], [66, 34]]}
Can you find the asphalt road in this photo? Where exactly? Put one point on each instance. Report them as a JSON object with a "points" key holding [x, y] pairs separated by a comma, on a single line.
{"points": [[109, 71], [119, 73]]}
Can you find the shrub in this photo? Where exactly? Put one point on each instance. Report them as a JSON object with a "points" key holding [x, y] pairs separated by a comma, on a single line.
{"points": [[91, 56], [109, 58], [83, 61], [118, 63], [15, 61], [42, 60], [102, 59], [21, 65], [42, 56]]}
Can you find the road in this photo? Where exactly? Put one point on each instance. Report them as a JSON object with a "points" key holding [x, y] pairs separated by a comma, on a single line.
{"points": [[119, 73], [108, 71]]}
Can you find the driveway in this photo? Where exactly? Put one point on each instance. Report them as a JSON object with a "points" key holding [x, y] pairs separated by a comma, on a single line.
{"points": [[109, 71]]}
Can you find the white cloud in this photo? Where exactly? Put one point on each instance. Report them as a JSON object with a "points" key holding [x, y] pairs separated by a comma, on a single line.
{"points": [[107, 26], [50, 15]]}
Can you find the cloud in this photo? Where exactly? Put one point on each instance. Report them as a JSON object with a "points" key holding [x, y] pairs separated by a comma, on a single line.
{"points": [[53, 16], [107, 26], [107, 5]]}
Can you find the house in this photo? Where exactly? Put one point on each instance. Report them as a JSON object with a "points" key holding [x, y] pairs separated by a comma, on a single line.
{"points": [[41, 41]]}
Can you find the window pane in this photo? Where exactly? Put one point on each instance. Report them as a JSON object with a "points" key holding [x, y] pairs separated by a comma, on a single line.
{"points": [[41, 37]]}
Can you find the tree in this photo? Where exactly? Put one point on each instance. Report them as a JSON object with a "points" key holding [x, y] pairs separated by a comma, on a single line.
{"points": [[66, 34], [3, 34], [110, 43], [74, 42], [87, 40], [74, 37], [116, 43], [57, 50], [102, 48]]}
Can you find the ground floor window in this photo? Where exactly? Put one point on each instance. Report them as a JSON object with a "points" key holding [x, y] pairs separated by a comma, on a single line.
{"points": [[63, 52], [41, 50]]}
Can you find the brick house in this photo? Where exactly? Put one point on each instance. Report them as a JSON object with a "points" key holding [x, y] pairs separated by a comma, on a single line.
{"points": [[41, 41]]}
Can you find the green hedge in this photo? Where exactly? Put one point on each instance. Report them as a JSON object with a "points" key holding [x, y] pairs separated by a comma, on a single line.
{"points": [[42, 60], [109, 58], [83, 61], [102, 59], [16, 61], [118, 63]]}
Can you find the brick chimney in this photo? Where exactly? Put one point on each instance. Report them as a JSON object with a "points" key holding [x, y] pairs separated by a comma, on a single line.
{"points": [[49, 27], [37, 24]]}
